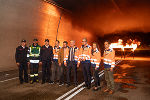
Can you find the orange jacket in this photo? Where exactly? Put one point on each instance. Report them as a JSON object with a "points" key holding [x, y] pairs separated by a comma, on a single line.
{"points": [[85, 53], [96, 58], [55, 52], [63, 55], [109, 57]]}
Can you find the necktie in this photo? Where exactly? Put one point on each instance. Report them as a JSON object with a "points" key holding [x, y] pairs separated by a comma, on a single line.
{"points": [[71, 54]]}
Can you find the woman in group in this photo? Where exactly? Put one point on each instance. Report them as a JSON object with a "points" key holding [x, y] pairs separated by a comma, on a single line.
{"points": [[95, 63]]}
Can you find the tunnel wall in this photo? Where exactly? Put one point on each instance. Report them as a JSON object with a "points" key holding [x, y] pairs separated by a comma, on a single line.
{"points": [[28, 19]]}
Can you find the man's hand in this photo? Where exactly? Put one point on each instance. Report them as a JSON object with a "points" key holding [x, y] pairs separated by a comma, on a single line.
{"points": [[78, 65], [83, 59], [28, 63], [65, 64], [40, 63], [96, 68], [18, 64], [80, 59], [59, 64], [111, 69]]}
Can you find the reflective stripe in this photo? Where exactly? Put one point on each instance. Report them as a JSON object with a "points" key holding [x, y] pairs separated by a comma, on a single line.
{"points": [[39, 51], [27, 55], [95, 63], [92, 62], [83, 55], [34, 61], [94, 59], [35, 74], [30, 50], [31, 75], [88, 56], [97, 66], [105, 63], [55, 58], [107, 59], [113, 62], [112, 65], [34, 55], [76, 56], [65, 58]]}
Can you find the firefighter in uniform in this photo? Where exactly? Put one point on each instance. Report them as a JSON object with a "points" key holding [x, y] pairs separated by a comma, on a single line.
{"points": [[84, 56], [109, 64], [34, 58], [21, 61], [46, 57], [95, 63], [55, 65], [72, 62]]}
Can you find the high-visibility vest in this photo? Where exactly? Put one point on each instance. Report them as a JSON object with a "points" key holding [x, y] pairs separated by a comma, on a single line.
{"points": [[34, 53], [55, 52], [109, 57], [85, 53], [96, 58]]}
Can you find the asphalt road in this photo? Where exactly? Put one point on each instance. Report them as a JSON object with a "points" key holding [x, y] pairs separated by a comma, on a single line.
{"points": [[132, 82]]}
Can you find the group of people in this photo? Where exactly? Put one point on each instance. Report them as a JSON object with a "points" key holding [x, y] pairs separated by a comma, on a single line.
{"points": [[55, 60]]}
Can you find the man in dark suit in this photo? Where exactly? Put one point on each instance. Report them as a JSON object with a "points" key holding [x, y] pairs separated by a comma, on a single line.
{"points": [[46, 57]]}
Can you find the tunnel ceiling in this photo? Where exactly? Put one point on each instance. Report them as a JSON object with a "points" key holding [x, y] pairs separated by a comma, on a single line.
{"points": [[109, 16], [75, 5]]}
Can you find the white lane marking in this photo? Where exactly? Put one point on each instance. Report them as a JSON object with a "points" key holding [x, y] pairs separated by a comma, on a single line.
{"points": [[12, 78], [69, 92], [61, 97], [9, 79], [75, 93], [6, 74]]}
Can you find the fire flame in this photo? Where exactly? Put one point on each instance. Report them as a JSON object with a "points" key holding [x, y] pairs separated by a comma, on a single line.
{"points": [[119, 44]]}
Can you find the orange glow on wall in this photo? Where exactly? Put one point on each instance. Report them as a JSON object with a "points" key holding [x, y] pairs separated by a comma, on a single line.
{"points": [[66, 30]]}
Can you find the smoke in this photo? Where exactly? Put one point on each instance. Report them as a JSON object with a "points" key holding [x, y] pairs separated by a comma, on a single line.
{"points": [[108, 16]]}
